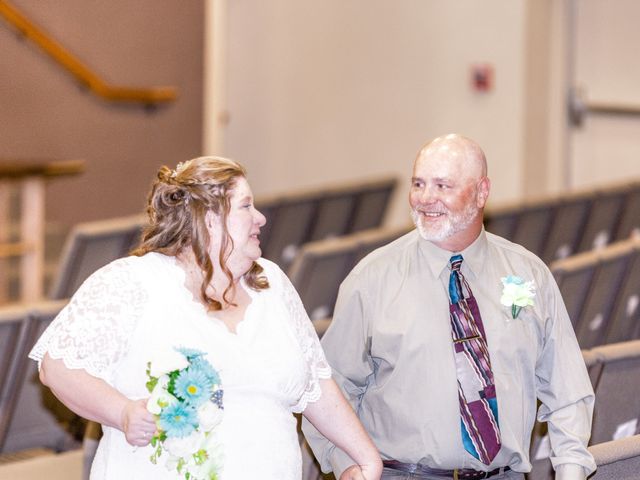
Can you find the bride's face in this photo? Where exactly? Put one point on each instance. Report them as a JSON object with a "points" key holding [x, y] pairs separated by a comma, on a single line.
{"points": [[243, 225]]}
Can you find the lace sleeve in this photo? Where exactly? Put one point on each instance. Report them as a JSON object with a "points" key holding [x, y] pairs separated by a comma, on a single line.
{"points": [[92, 332], [317, 365]]}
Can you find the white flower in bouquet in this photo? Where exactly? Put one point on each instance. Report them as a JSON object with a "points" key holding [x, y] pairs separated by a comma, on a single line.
{"points": [[210, 415], [184, 446], [167, 362], [160, 398]]}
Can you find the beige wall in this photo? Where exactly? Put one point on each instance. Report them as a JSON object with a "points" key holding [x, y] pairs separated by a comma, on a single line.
{"points": [[324, 91], [607, 69], [44, 113]]}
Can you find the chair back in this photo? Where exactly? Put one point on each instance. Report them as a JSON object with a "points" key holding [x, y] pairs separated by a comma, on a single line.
{"points": [[14, 329], [91, 246], [617, 459]]}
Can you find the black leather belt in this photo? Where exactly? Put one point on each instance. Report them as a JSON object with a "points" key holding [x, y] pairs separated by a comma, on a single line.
{"points": [[456, 474]]}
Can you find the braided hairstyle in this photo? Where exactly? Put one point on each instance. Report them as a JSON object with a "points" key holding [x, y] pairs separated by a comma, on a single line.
{"points": [[177, 205]]}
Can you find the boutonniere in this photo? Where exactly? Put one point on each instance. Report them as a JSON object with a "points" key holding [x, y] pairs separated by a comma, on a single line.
{"points": [[516, 293]]}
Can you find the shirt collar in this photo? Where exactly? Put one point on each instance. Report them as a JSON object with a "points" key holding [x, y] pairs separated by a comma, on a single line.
{"points": [[437, 258]]}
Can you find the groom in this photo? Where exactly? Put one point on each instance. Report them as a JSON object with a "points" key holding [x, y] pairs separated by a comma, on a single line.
{"points": [[443, 367]]}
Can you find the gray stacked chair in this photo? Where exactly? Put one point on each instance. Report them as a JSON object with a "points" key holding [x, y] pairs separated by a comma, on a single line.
{"points": [[320, 267], [617, 389], [289, 222], [92, 245], [372, 204], [592, 285], [14, 339], [569, 221], [296, 218], [625, 318], [534, 224], [629, 224], [574, 278], [606, 212], [318, 270], [526, 223], [37, 415], [503, 220], [617, 459]]}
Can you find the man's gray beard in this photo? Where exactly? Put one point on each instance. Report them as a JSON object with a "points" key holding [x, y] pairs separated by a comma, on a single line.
{"points": [[453, 225]]}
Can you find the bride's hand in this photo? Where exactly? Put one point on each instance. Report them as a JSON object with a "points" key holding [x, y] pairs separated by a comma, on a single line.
{"points": [[138, 424]]}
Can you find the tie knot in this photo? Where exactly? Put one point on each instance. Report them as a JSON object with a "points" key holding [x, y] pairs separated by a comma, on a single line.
{"points": [[455, 262]]}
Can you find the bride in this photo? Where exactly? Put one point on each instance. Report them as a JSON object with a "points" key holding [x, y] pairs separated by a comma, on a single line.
{"points": [[197, 282]]}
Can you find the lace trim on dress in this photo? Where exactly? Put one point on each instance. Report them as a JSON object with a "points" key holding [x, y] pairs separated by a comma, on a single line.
{"points": [[317, 365], [93, 331]]}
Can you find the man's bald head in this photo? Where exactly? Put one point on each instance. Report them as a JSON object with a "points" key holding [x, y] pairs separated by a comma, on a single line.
{"points": [[460, 150]]}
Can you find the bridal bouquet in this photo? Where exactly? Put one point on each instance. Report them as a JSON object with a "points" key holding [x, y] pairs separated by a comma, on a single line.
{"points": [[186, 397]]}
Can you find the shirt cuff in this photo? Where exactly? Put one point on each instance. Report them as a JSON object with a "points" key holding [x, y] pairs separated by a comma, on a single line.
{"points": [[340, 461], [570, 471]]}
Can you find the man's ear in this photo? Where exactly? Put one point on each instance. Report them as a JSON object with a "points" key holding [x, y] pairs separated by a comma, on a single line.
{"points": [[484, 187]]}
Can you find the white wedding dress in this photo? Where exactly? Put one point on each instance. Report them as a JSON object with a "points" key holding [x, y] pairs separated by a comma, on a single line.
{"points": [[135, 308]]}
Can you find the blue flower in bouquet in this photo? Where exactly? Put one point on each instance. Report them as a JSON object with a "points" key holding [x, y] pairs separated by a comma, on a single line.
{"points": [[190, 353], [205, 367], [193, 385], [178, 420]]}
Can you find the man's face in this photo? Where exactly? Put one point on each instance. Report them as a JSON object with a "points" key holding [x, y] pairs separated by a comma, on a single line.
{"points": [[445, 199]]}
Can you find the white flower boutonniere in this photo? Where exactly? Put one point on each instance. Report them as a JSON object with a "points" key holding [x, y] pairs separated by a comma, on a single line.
{"points": [[517, 293]]}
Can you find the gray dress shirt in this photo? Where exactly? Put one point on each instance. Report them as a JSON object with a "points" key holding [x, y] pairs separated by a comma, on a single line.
{"points": [[391, 351]]}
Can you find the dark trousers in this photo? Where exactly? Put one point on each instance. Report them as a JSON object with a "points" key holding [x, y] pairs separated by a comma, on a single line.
{"points": [[389, 474]]}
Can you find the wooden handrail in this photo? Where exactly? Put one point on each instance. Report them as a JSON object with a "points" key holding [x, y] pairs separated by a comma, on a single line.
{"points": [[26, 167], [613, 108], [147, 96]]}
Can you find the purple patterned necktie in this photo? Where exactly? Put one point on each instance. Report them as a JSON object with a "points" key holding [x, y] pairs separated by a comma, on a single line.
{"points": [[476, 389]]}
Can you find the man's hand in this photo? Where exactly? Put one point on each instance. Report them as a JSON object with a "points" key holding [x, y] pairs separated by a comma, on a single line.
{"points": [[354, 472]]}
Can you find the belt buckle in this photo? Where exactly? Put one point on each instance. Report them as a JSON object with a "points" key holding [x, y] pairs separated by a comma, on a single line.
{"points": [[455, 474]]}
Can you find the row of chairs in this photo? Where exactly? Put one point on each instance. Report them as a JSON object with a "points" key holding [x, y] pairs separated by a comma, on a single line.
{"points": [[601, 290], [24, 422], [558, 226], [296, 218], [320, 267], [292, 220], [613, 370]]}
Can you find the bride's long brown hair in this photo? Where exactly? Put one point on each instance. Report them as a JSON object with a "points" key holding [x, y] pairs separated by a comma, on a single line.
{"points": [[177, 205]]}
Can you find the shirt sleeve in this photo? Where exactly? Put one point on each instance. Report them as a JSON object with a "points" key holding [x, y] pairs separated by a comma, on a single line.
{"points": [[563, 387], [93, 331], [316, 364], [346, 344]]}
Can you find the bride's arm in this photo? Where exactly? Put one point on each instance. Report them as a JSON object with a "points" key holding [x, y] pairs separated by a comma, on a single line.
{"points": [[94, 399], [334, 418]]}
